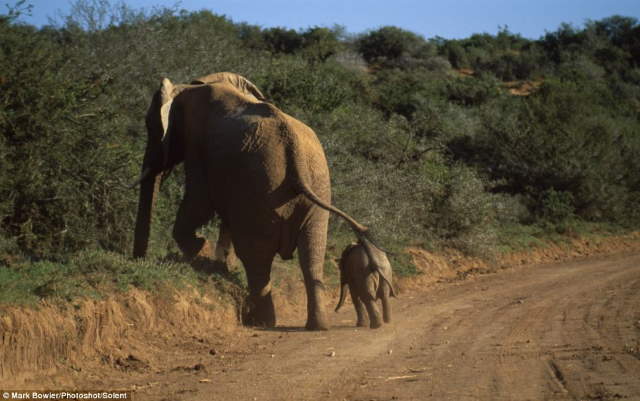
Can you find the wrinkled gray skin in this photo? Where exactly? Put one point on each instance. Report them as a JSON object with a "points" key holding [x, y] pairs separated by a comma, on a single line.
{"points": [[367, 272]]}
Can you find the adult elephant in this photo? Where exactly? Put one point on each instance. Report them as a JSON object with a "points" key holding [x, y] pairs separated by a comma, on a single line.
{"points": [[263, 172]]}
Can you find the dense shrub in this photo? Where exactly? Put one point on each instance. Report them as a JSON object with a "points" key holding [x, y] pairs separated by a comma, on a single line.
{"points": [[390, 46], [295, 85], [60, 170], [506, 55], [316, 44], [563, 140]]}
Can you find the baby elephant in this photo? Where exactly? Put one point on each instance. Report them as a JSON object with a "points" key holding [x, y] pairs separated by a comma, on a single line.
{"points": [[367, 272]]}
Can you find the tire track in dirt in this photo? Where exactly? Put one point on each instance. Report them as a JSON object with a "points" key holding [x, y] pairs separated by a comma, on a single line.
{"points": [[593, 358], [534, 339]]}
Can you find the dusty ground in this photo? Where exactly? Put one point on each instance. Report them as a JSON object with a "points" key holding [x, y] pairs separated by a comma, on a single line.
{"points": [[562, 331]]}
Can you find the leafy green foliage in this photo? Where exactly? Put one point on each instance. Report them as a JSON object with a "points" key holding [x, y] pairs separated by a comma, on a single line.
{"points": [[316, 44], [564, 138], [391, 46], [506, 55]]}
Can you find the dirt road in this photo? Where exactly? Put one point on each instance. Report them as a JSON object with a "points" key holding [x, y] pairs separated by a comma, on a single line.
{"points": [[567, 331]]}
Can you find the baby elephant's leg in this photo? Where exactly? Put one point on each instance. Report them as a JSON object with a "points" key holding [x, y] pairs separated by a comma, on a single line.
{"points": [[372, 309], [359, 305]]}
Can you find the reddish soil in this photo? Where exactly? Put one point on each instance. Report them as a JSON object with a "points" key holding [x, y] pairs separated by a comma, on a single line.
{"points": [[557, 331]]}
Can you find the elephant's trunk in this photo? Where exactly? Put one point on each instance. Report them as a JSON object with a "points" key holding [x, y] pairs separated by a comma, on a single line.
{"points": [[148, 192]]}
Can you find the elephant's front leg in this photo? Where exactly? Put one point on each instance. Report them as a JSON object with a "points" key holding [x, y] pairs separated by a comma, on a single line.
{"points": [[311, 248], [225, 255], [194, 212]]}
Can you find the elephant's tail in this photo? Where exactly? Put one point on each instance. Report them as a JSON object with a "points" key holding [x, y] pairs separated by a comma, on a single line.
{"points": [[355, 226], [300, 170]]}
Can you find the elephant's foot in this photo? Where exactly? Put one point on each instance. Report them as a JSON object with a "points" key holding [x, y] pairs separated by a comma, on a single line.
{"points": [[374, 320], [197, 248], [225, 256], [375, 324], [317, 323], [203, 260], [362, 323], [260, 312]]}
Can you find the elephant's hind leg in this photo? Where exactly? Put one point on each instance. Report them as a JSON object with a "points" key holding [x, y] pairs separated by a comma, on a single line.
{"points": [[374, 313], [361, 316], [386, 306], [225, 255], [260, 310], [311, 252]]}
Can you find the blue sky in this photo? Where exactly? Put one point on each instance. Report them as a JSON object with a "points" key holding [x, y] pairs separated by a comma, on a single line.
{"points": [[446, 18]]}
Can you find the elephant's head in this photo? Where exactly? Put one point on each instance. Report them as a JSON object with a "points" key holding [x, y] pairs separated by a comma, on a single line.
{"points": [[165, 143]]}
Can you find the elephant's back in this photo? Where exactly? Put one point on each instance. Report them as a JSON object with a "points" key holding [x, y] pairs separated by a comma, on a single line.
{"points": [[277, 141], [252, 155]]}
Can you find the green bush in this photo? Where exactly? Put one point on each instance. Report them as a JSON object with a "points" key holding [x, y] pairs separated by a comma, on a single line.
{"points": [[59, 170], [472, 91], [557, 206], [320, 43], [296, 85], [282, 40], [564, 138], [391, 46]]}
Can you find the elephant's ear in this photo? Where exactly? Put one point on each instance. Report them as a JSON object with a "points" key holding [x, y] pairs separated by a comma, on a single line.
{"points": [[166, 100]]}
